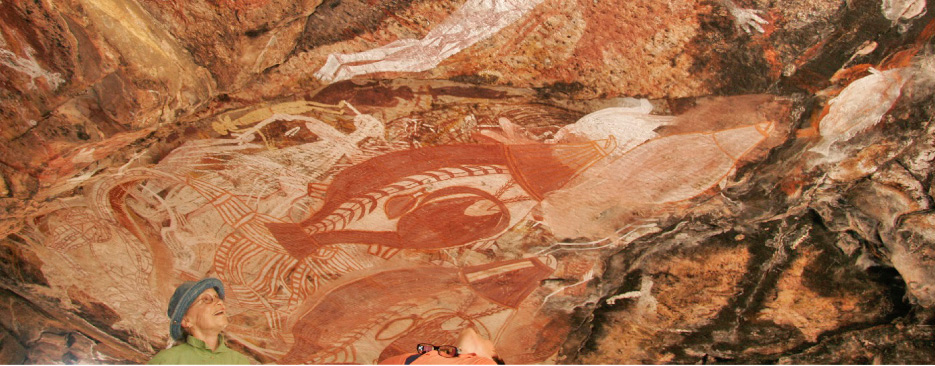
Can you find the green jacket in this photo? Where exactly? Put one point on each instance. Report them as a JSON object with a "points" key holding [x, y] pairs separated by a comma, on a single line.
{"points": [[194, 352]]}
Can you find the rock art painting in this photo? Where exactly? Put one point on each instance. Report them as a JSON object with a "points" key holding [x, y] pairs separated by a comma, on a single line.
{"points": [[435, 196], [606, 182], [29, 67], [473, 22], [850, 114], [342, 247], [429, 303], [897, 10], [662, 171], [746, 19]]}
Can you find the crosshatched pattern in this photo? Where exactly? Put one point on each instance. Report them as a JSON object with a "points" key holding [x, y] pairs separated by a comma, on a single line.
{"points": [[579, 181]]}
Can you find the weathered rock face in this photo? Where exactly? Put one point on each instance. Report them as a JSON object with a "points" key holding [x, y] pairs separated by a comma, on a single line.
{"points": [[579, 181]]}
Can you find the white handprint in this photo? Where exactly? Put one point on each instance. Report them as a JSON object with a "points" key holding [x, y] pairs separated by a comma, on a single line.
{"points": [[746, 19]]}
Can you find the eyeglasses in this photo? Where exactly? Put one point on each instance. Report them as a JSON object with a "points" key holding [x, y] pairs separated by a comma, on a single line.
{"points": [[445, 351], [208, 299]]}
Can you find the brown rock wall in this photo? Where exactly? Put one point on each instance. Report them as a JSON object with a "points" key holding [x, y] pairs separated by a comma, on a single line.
{"points": [[579, 181]]}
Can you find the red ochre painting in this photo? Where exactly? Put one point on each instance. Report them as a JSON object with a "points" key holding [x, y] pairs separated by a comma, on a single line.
{"points": [[352, 244]]}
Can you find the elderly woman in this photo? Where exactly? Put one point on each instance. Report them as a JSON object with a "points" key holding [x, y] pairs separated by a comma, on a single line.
{"points": [[198, 317]]}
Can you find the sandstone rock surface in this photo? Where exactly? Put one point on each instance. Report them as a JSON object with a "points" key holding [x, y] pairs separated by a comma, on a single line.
{"points": [[592, 182]]}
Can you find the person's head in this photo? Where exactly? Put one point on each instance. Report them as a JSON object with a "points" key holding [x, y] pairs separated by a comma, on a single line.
{"points": [[471, 342], [471, 349], [197, 308]]}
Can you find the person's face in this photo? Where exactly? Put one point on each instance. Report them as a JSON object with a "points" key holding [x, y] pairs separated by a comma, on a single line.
{"points": [[471, 342], [206, 315]]}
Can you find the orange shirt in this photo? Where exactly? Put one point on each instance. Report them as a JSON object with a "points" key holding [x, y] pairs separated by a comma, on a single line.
{"points": [[433, 358]]}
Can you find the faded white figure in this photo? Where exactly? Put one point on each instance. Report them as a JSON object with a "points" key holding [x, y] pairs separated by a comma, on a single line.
{"points": [[629, 125], [473, 22], [859, 106], [28, 66], [316, 158], [290, 168], [898, 10], [660, 171]]}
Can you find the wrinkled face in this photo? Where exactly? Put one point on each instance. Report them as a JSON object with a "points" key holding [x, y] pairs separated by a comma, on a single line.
{"points": [[206, 315]]}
